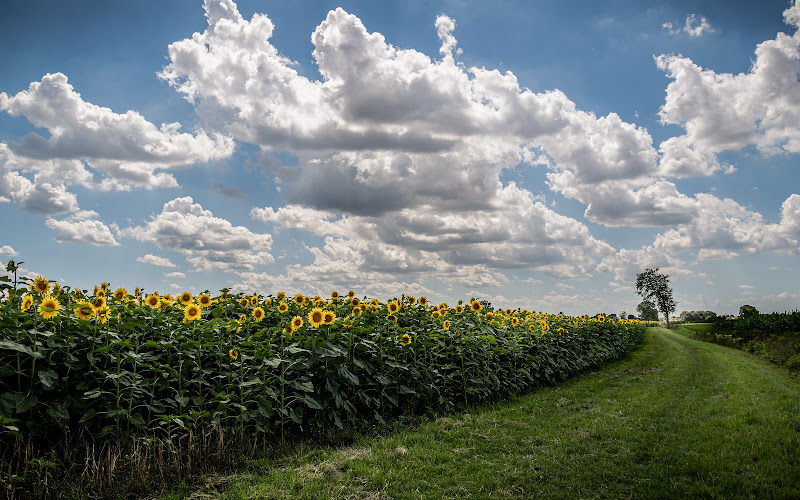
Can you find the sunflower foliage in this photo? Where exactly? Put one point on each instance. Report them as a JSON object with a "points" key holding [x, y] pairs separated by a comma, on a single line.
{"points": [[112, 365]]}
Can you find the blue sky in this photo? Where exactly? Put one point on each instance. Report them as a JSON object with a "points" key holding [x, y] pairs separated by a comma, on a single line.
{"points": [[535, 154]]}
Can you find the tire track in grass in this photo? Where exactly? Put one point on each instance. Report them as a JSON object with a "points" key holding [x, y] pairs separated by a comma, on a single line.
{"points": [[677, 418]]}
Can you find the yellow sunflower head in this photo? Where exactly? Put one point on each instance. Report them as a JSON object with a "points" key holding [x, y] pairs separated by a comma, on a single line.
{"points": [[423, 300], [514, 321], [258, 314], [354, 301], [102, 315], [120, 293], [84, 310], [254, 300], [393, 306], [191, 312], [392, 318], [49, 307], [475, 306], [334, 296], [185, 298], [601, 318], [405, 339], [153, 300], [98, 302], [40, 285], [283, 307], [204, 300], [242, 318], [297, 322], [244, 301], [167, 299], [299, 299], [351, 294], [446, 324], [233, 353], [459, 309], [316, 317], [288, 330], [435, 313], [357, 311], [27, 302], [328, 317]]}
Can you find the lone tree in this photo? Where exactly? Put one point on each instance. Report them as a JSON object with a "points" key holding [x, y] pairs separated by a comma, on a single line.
{"points": [[654, 287], [647, 311]]}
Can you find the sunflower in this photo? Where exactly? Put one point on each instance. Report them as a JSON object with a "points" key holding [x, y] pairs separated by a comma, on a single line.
{"points": [[489, 316], [347, 322], [258, 314], [84, 310], [411, 299], [446, 324], [374, 302], [254, 300], [514, 321], [204, 300], [27, 302], [393, 306], [351, 294], [242, 318], [601, 318], [405, 339], [288, 330], [40, 285], [98, 302], [328, 317], [545, 327], [392, 318], [316, 317], [357, 311], [318, 302], [435, 313], [459, 309], [423, 300], [297, 322], [49, 307], [355, 301], [334, 296], [185, 298], [167, 299], [56, 288], [475, 306], [153, 300], [233, 353], [299, 299], [120, 293], [283, 307], [192, 312], [532, 327], [280, 296], [102, 315]]}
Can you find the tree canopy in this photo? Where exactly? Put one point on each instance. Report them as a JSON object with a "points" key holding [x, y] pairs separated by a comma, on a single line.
{"points": [[654, 287]]}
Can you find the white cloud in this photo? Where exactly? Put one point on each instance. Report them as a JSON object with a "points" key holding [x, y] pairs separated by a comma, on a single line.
{"points": [[723, 225], [722, 111], [208, 242], [126, 148], [175, 275], [693, 26], [82, 227], [8, 251], [155, 260]]}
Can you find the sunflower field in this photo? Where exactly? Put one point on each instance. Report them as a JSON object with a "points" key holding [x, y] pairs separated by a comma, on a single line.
{"points": [[109, 364]]}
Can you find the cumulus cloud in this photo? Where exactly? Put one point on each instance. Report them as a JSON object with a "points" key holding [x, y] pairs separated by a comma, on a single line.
{"points": [[400, 155], [723, 225], [207, 242], [722, 111], [694, 26], [82, 227], [175, 274], [125, 147], [155, 260], [8, 251]]}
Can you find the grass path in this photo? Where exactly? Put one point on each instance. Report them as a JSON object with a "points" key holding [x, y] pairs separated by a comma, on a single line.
{"points": [[678, 418]]}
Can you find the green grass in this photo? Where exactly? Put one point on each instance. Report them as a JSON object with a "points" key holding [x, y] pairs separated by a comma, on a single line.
{"points": [[678, 418]]}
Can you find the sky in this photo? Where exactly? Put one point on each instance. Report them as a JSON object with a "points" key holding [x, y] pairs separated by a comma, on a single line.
{"points": [[533, 154]]}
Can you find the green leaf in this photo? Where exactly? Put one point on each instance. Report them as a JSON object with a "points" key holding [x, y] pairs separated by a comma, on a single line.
{"points": [[406, 390], [313, 403], [26, 403], [296, 414], [87, 416], [348, 375], [305, 386], [7, 344], [48, 378]]}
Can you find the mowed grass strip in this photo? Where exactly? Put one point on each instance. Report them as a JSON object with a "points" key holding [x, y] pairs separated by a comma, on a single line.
{"points": [[678, 418]]}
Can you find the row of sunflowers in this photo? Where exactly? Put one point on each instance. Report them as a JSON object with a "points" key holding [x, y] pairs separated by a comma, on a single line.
{"points": [[118, 364]]}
